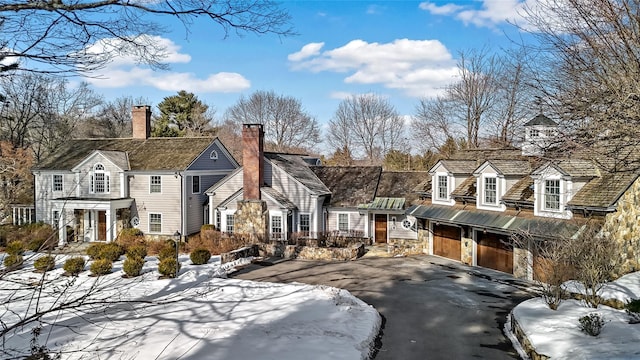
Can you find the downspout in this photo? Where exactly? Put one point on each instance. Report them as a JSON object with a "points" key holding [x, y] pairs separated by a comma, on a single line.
{"points": [[182, 210]]}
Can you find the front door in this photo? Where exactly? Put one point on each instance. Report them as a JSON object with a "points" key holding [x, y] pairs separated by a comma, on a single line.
{"points": [[102, 226], [381, 228]]}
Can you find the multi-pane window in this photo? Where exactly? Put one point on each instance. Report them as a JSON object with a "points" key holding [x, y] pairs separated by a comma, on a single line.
{"points": [[195, 188], [55, 218], [99, 180], [57, 182], [230, 223], [534, 132], [490, 190], [305, 221], [155, 223], [443, 189], [552, 194], [276, 226], [218, 219], [343, 222], [155, 184]]}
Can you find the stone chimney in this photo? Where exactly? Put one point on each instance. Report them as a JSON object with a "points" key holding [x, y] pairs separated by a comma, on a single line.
{"points": [[141, 122], [252, 160]]}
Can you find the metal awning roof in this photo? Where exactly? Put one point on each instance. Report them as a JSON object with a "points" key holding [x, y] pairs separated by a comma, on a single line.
{"points": [[384, 203], [548, 228]]}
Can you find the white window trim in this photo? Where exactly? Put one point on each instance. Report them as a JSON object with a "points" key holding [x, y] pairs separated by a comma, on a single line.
{"points": [[107, 180], [338, 221], [544, 196], [150, 184], [501, 184], [199, 184], [149, 222], [435, 189], [55, 222], [53, 182], [223, 219], [280, 215], [213, 155], [566, 187], [300, 215]]}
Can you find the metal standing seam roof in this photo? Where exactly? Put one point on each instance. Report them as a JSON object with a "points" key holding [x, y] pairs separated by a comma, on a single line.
{"points": [[549, 228], [384, 203]]}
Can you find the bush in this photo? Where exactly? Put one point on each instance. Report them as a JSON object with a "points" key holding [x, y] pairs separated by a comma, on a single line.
{"points": [[137, 251], [94, 249], [13, 261], [592, 324], [215, 242], [200, 256], [208, 227], [633, 310], [101, 266], [169, 267], [132, 266], [111, 251], [15, 248], [130, 237], [74, 266], [168, 251], [45, 263]]}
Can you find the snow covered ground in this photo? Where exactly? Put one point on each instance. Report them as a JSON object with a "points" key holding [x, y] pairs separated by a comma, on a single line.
{"points": [[557, 335], [199, 315]]}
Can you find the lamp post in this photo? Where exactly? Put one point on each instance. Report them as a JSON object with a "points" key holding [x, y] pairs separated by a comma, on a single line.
{"points": [[176, 237]]}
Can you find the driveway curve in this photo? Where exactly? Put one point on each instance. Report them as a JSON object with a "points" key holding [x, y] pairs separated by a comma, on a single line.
{"points": [[432, 308]]}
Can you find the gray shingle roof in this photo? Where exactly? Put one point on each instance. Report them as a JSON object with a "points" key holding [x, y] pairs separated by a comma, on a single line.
{"points": [[401, 184], [465, 167], [520, 191], [467, 189], [603, 192], [350, 185], [572, 167], [143, 154], [511, 167], [541, 120], [278, 197], [299, 169]]}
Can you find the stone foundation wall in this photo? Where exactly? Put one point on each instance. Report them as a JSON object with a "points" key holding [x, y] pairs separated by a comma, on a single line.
{"points": [[423, 237], [310, 252], [524, 341], [244, 252], [408, 246], [251, 219]]}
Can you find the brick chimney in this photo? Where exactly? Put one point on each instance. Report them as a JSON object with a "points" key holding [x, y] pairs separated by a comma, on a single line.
{"points": [[141, 122], [252, 160]]}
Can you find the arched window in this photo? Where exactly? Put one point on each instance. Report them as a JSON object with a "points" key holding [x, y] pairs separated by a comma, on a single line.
{"points": [[99, 180]]}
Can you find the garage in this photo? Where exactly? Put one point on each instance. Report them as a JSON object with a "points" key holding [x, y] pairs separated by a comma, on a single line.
{"points": [[494, 252], [446, 241]]}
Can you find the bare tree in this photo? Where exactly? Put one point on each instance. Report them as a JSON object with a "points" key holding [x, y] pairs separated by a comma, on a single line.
{"points": [[82, 36], [288, 127], [367, 126], [588, 51], [112, 119], [431, 126]]}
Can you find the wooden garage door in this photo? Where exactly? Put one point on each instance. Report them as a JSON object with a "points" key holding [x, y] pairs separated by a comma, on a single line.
{"points": [[494, 252], [446, 241]]}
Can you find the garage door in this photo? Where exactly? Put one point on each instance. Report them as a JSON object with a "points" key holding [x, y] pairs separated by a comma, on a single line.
{"points": [[494, 252], [446, 241]]}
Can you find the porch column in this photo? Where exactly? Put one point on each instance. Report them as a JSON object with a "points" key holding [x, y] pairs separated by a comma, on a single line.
{"points": [[109, 224], [62, 230]]}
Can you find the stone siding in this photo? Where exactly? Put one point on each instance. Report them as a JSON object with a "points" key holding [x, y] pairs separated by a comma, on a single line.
{"points": [[521, 264], [408, 247], [241, 253], [251, 219], [624, 226], [466, 246], [423, 237], [282, 250]]}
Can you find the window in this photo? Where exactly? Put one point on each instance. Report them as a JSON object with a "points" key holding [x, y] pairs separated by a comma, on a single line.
{"points": [[443, 191], [276, 226], [57, 182], [343, 222], [230, 223], [552, 195], [155, 223], [305, 221], [195, 185], [155, 184], [55, 218], [213, 155], [534, 133], [99, 180], [490, 190], [218, 219]]}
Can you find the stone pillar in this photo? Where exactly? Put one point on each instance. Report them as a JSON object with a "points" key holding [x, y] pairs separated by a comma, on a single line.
{"points": [[252, 219], [466, 246], [424, 237], [522, 264]]}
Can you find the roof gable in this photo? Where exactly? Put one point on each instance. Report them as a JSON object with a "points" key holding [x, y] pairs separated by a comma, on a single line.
{"points": [[456, 167], [541, 119], [118, 159], [570, 167], [299, 170]]}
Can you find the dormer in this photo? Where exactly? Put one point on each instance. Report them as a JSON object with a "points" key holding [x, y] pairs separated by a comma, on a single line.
{"points": [[494, 178], [446, 176], [540, 133], [556, 183], [100, 174]]}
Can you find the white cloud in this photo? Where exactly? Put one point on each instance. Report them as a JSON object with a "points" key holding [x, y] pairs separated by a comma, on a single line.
{"points": [[434, 9], [490, 14], [124, 71], [308, 50], [417, 67]]}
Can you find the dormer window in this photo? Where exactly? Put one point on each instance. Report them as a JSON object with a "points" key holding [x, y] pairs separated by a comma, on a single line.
{"points": [[443, 188], [552, 195], [534, 133], [99, 180], [490, 190]]}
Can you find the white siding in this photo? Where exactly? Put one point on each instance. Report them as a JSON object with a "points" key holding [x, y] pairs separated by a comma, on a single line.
{"points": [[356, 221], [167, 202], [295, 191], [230, 185], [397, 231], [194, 206]]}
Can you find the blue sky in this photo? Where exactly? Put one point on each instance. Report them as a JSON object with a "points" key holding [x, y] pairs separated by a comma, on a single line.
{"points": [[401, 50]]}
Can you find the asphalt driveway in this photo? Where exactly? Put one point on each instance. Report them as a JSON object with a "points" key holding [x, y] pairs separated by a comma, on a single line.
{"points": [[432, 308]]}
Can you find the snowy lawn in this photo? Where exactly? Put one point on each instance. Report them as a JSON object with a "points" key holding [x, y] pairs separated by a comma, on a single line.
{"points": [[557, 334], [199, 315]]}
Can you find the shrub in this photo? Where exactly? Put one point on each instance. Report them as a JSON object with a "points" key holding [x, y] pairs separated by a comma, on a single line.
{"points": [[13, 261], [154, 247], [130, 237], [132, 265], [74, 266], [45, 263], [168, 251], [200, 256], [137, 251], [592, 324], [94, 249], [208, 227], [633, 310], [111, 252], [15, 248], [101, 266], [168, 267]]}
